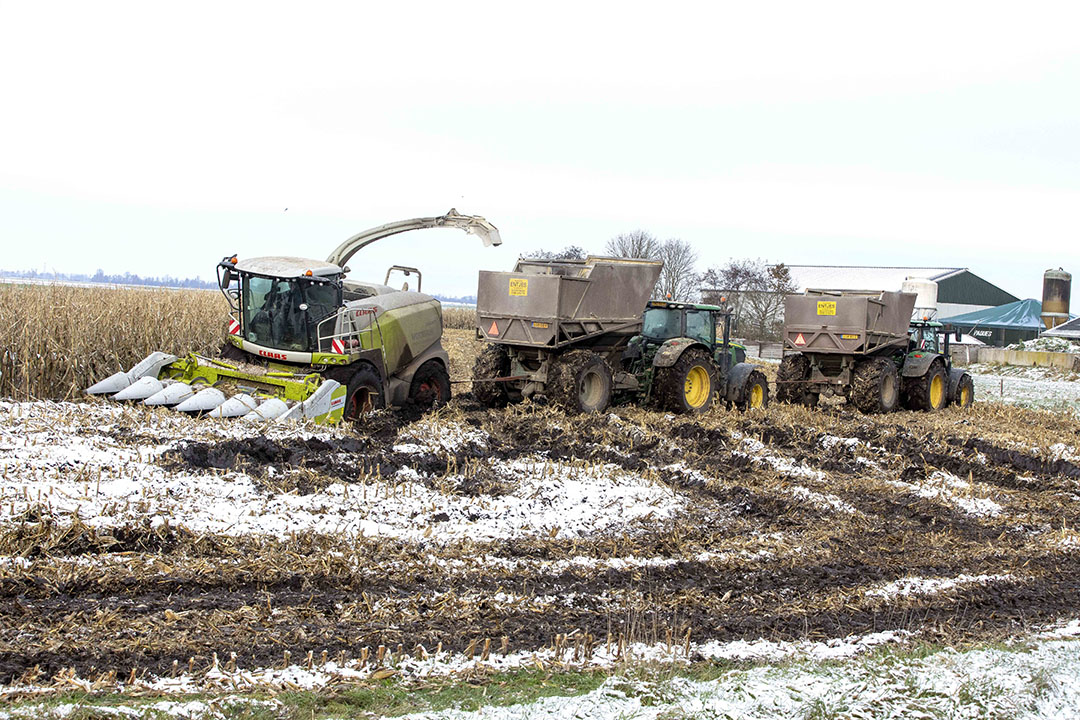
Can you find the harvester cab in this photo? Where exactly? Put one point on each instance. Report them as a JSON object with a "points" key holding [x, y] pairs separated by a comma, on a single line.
{"points": [[306, 342]]}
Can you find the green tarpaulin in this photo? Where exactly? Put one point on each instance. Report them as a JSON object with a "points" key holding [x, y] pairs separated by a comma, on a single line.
{"points": [[1019, 315]]}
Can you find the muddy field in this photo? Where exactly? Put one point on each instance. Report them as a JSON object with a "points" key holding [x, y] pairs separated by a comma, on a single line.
{"points": [[137, 542]]}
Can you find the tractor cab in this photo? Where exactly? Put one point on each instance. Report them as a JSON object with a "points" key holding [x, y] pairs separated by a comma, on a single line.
{"points": [[926, 335]]}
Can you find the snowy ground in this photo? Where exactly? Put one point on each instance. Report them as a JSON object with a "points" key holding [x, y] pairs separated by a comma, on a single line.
{"points": [[1026, 386]]}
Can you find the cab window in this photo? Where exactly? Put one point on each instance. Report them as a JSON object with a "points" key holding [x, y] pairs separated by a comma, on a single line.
{"points": [[700, 326]]}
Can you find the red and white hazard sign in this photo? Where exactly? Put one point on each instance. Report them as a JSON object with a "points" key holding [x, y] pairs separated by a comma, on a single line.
{"points": [[800, 340], [234, 326], [337, 346]]}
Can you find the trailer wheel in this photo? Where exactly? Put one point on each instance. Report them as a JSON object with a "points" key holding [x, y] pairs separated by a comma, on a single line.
{"points": [[929, 392], [364, 394], [430, 385], [755, 392], [965, 392], [875, 386], [794, 371], [581, 382], [492, 362], [689, 385]]}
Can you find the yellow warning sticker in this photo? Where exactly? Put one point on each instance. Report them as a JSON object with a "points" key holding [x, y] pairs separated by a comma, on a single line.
{"points": [[542, 326], [824, 307], [849, 337], [519, 286]]}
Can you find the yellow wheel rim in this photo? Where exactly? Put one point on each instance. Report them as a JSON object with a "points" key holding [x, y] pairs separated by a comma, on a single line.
{"points": [[965, 397], [757, 396], [697, 387], [937, 391]]}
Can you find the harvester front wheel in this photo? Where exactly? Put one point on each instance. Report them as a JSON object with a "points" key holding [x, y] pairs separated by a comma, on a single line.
{"points": [[929, 392], [364, 393], [689, 385], [580, 382], [876, 386], [430, 385], [493, 362], [791, 378]]}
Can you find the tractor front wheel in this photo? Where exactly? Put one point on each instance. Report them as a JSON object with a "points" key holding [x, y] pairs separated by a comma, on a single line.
{"points": [[580, 382], [875, 386], [965, 391], [755, 391], [689, 385]]}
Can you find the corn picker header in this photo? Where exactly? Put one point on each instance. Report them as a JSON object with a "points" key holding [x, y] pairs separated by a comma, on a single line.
{"points": [[305, 342]]}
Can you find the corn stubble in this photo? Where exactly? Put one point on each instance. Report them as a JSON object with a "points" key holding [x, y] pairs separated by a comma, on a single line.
{"points": [[57, 339]]}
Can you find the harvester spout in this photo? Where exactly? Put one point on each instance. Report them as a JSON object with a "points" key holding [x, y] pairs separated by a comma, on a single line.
{"points": [[472, 224]]}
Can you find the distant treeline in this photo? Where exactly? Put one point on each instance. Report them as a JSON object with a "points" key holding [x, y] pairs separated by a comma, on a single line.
{"points": [[100, 277]]}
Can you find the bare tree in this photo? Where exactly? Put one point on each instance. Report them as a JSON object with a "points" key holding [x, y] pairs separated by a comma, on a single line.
{"points": [[756, 291], [678, 280], [636, 244], [571, 252]]}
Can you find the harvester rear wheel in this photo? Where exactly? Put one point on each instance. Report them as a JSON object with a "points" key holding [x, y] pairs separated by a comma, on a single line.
{"points": [[965, 391], [492, 362], [689, 385], [580, 382], [929, 392], [364, 393], [430, 385], [876, 386], [755, 392], [790, 378]]}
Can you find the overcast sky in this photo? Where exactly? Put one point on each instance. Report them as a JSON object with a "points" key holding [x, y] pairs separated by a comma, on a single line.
{"points": [[156, 138]]}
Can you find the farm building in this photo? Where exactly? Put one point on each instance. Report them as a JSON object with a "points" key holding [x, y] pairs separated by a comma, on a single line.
{"points": [[1003, 325], [1069, 330], [959, 289]]}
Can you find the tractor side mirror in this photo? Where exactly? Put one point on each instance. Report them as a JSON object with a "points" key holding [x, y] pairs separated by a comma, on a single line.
{"points": [[959, 336], [234, 295], [226, 278]]}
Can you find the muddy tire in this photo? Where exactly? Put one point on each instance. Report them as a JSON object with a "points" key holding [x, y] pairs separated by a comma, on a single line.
{"points": [[430, 386], [755, 391], [580, 382], [492, 362], [364, 394], [689, 385], [875, 386], [794, 370], [929, 392], [965, 392]]}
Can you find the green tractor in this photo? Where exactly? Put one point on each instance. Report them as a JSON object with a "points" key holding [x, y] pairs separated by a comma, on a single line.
{"points": [[684, 358]]}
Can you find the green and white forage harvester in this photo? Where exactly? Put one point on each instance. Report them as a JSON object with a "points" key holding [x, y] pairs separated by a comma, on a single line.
{"points": [[304, 342]]}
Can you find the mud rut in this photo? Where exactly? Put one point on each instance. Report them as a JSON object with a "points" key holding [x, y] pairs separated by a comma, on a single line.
{"points": [[751, 558]]}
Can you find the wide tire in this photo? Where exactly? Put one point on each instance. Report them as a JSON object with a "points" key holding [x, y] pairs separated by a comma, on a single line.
{"points": [[364, 394], [755, 392], [929, 392], [493, 362], [580, 382], [794, 371], [965, 392], [875, 386], [430, 385], [689, 385]]}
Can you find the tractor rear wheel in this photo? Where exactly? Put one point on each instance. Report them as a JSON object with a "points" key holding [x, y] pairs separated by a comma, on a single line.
{"points": [[580, 382], [965, 391], [875, 386], [929, 392], [430, 385], [493, 362], [755, 392], [790, 378], [364, 394], [689, 385]]}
